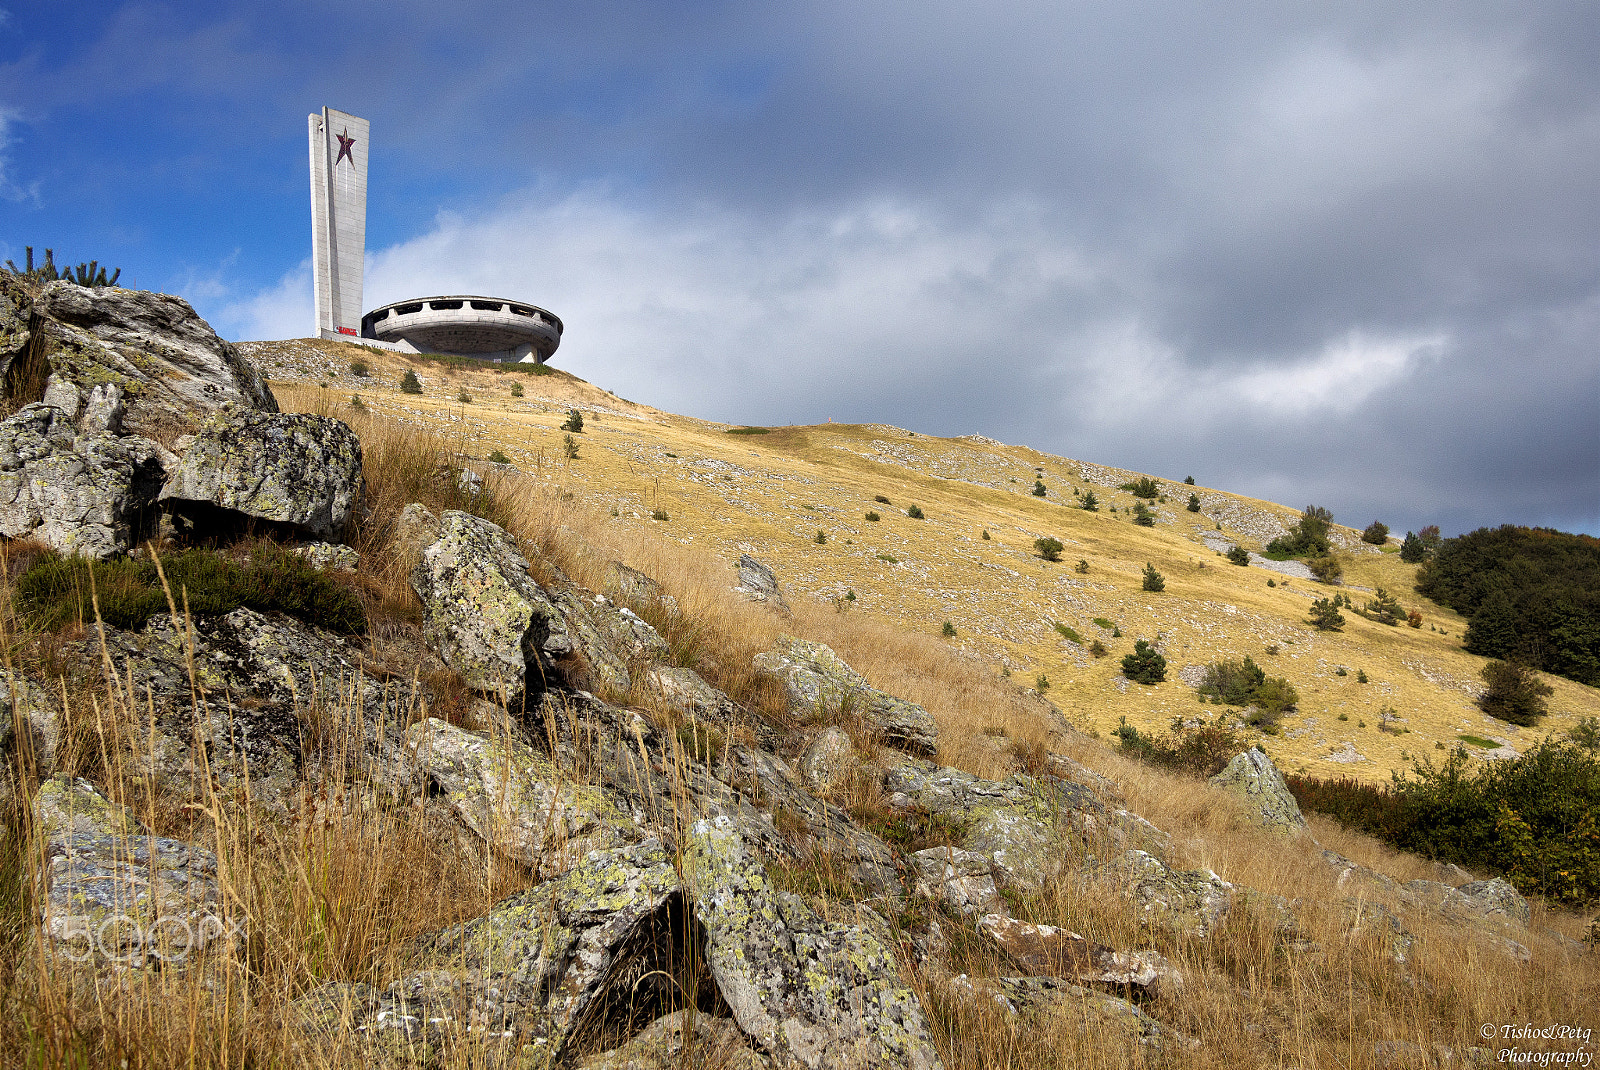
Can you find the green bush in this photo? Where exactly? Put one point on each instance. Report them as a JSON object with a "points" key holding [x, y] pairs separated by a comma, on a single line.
{"points": [[1098, 649], [56, 591], [1090, 503], [1514, 693], [498, 457], [1384, 608], [821, 537], [359, 369], [516, 390], [569, 446], [1049, 549], [1143, 487], [1082, 567], [985, 534], [948, 631], [1189, 480], [1325, 567], [915, 512], [574, 422], [1153, 580], [1201, 750], [1066, 631], [1308, 538], [1194, 503], [464, 397], [1239, 555], [1038, 488], [1142, 516], [1105, 623], [873, 517], [659, 514], [356, 404], [1376, 533], [1145, 665], [409, 383], [1531, 819]]}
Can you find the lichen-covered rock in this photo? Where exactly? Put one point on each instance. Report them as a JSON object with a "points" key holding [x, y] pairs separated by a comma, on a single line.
{"points": [[758, 583], [809, 993], [1055, 952], [1100, 1017], [16, 309], [963, 880], [632, 587], [515, 799], [295, 470], [62, 395], [329, 555], [1186, 901], [528, 976], [608, 638], [827, 760], [815, 679], [816, 824], [484, 613], [684, 1038], [103, 411], [1496, 897], [1252, 777], [85, 494], [113, 893], [170, 365], [686, 694], [30, 717]]}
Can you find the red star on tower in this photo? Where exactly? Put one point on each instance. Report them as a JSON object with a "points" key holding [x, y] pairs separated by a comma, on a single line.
{"points": [[346, 143]]}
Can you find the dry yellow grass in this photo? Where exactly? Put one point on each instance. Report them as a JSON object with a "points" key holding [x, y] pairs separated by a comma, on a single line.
{"points": [[770, 494]]}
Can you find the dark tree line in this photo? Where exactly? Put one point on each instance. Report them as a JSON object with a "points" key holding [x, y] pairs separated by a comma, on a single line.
{"points": [[1532, 595]]}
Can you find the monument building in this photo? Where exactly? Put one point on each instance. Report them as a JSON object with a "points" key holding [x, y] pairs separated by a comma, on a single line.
{"points": [[488, 328]]}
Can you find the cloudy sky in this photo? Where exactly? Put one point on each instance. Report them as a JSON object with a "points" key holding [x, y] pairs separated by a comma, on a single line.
{"points": [[1347, 257]]}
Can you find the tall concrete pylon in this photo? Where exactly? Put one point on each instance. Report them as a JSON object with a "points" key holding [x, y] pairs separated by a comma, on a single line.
{"points": [[339, 151]]}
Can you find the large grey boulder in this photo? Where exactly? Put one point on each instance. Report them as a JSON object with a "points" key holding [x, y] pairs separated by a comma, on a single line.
{"points": [[828, 760], [758, 583], [610, 640], [30, 718], [113, 893], [817, 681], [810, 993], [484, 613], [1253, 778], [85, 494], [528, 976], [170, 366], [962, 880], [294, 470], [668, 1042], [515, 799]]}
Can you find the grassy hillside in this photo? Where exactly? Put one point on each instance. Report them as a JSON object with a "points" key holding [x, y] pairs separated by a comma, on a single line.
{"points": [[770, 494]]}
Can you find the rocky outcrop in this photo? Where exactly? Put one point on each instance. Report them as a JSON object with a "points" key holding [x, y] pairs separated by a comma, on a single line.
{"points": [[828, 760], [287, 471], [1192, 901], [962, 880], [530, 974], [817, 682], [685, 1038], [810, 993], [1055, 952], [114, 893], [90, 494], [608, 639], [169, 365], [1253, 778], [758, 583], [1102, 1018], [484, 613], [515, 799]]}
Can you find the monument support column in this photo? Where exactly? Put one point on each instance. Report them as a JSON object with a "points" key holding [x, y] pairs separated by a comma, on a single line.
{"points": [[339, 152]]}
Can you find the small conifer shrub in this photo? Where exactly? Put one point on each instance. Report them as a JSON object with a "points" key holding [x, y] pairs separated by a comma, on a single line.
{"points": [[1049, 549], [1239, 556], [409, 383], [1194, 503], [464, 397], [498, 457], [1082, 567], [516, 390], [1090, 504], [1038, 488], [873, 517], [659, 514], [1326, 616], [1515, 693], [821, 537], [1189, 480], [915, 512], [948, 631], [1153, 580], [569, 446], [1145, 665], [574, 422], [985, 534], [881, 500]]}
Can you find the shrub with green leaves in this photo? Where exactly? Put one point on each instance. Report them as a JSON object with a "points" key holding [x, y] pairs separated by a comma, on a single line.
{"points": [[569, 446], [1189, 480], [1325, 567], [1142, 516], [1090, 503], [359, 369], [1384, 608], [1200, 750], [1143, 487], [1239, 555], [948, 631], [516, 390], [1244, 683], [1067, 631], [915, 512], [1325, 615], [409, 383], [1082, 567], [873, 517], [55, 591], [574, 422], [1309, 536], [1515, 693], [498, 457], [881, 500], [1194, 503], [1153, 580], [1049, 549], [1038, 488], [1376, 533], [821, 538], [1145, 665]]}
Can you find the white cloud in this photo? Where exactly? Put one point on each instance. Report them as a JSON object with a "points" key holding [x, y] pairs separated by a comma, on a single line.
{"points": [[283, 310], [10, 189], [1341, 377]]}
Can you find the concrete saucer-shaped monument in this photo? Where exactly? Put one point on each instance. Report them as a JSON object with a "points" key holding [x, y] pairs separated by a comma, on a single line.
{"points": [[489, 328]]}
